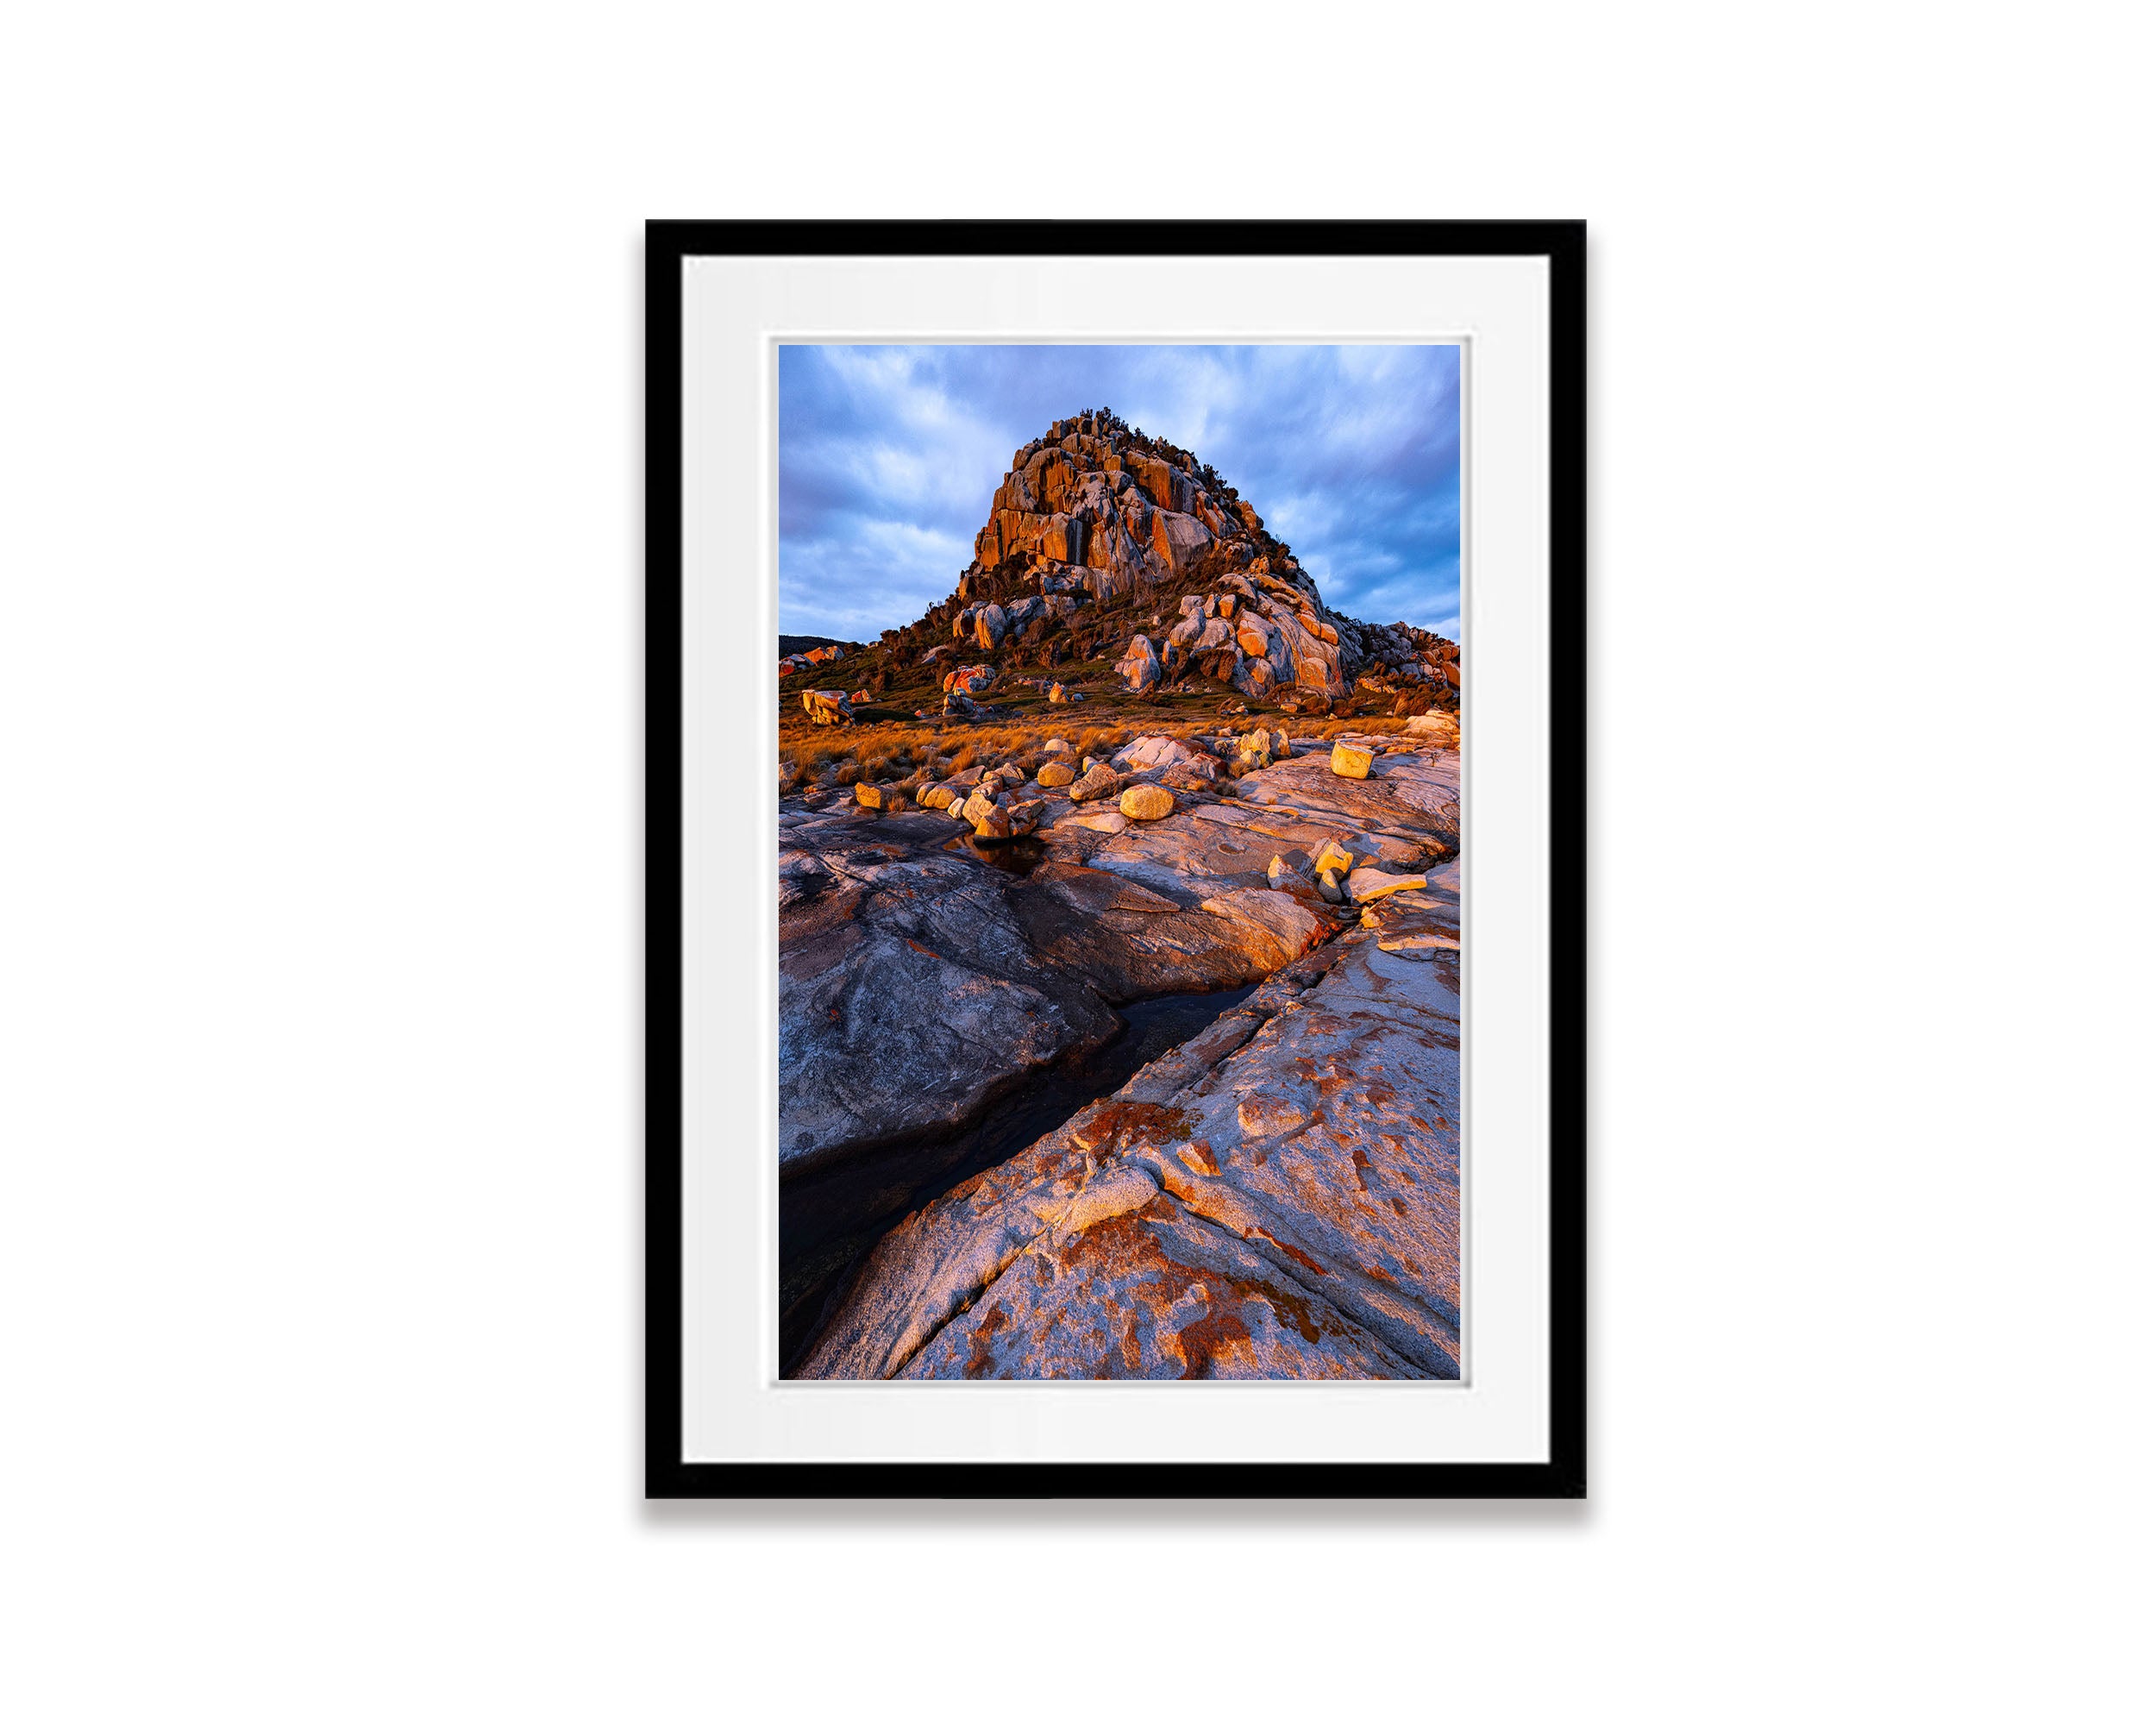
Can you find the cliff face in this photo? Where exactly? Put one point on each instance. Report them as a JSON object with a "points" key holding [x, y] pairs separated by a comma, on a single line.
{"points": [[1101, 541]]}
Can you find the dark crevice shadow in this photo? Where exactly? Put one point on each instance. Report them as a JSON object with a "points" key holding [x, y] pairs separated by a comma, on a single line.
{"points": [[830, 1220]]}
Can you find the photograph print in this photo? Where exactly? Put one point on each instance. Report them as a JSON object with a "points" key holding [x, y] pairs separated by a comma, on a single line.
{"points": [[1119, 862]]}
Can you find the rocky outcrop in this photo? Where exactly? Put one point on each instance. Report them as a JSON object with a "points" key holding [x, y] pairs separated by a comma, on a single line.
{"points": [[918, 983], [1277, 1197], [970, 680], [1097, 533], [792, 660], [1139, 668], [1095, 512]]}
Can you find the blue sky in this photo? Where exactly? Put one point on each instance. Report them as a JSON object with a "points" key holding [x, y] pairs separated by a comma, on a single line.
{"points": [[889, 456]]}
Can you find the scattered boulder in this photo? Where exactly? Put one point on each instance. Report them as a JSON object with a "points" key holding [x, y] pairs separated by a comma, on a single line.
{"points": [[1435, 728], [827, 706], [1054, 775], [1148, 802], [1333, 857], [973, 679], [1100, 781], [1351, 763], [1148, 752], [868, 795]]}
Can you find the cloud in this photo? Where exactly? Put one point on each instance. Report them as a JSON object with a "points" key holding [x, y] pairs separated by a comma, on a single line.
{"points": [[888, 454]]}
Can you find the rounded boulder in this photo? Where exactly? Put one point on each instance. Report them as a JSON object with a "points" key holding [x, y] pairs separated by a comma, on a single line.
{"points": [[1148, 802]]}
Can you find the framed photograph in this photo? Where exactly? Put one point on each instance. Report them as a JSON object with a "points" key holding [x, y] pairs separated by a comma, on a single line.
{"points": [[1116, 820]]}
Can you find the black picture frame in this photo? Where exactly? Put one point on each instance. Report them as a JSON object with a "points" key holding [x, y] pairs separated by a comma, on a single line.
{"points": [[668, 1474]]}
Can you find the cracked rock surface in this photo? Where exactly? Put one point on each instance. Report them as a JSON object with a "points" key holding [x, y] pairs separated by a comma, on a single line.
{"points": [[1277, 1197]]}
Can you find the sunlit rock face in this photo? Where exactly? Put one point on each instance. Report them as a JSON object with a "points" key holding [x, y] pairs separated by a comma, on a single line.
{"points": [[1278, 1196], [1095, 507]]}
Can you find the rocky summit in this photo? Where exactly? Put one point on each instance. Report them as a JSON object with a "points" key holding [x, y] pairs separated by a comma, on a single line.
{"points": [[1108, 551], [1120, 1007]]}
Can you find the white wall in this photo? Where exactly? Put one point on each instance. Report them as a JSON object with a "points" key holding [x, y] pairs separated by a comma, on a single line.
{"points": [[319, 543]]}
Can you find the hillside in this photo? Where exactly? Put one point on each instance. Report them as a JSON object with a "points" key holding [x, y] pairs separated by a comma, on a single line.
{"points": [[1115, 564]]}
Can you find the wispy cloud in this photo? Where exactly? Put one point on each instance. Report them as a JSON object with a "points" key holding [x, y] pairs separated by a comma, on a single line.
{"points": [[887, 457]]}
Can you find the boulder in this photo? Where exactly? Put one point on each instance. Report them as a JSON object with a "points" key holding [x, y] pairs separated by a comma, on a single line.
{"points": [[1139, 668], [1054, 775], [1351, 763], [1177, 539], [1365, 885], [1099, 781], [1148, 802], [868, 795], [1148, 752], [1333, 856], [1439, 730], [827, 706]]}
